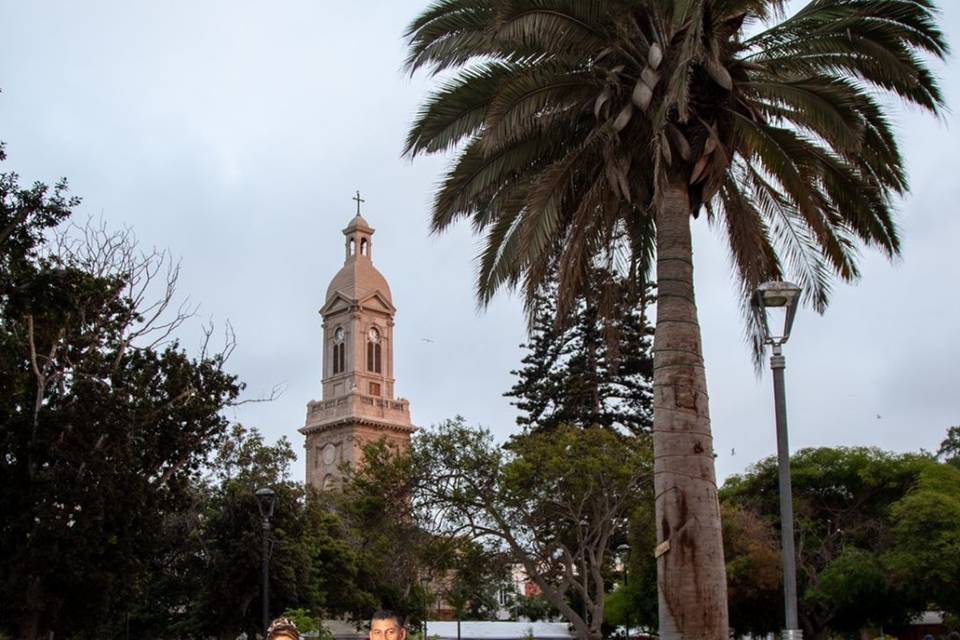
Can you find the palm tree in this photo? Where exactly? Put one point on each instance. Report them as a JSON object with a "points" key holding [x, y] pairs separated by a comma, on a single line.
{"points": [[587, 129]]}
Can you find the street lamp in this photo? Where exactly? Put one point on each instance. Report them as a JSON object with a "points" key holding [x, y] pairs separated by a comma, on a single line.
{"points": [[425, 585], [266, 498], [624, 552], [772, 299]]}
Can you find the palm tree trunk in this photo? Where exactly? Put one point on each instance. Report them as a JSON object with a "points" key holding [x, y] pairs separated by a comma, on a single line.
{"points": [[691, 576]]}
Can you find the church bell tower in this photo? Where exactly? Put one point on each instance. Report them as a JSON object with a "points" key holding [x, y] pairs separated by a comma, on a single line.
{"points": [[358, 405]]}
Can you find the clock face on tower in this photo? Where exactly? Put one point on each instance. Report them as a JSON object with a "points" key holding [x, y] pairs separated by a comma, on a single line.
{"points": [[338, 335], [373, 334], [329, 454]]}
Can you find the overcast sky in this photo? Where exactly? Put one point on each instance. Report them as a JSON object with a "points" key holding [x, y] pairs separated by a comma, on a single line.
{"points": [[235, 133]]}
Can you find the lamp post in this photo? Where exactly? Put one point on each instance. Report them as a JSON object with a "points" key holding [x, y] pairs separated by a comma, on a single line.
{"points": [[425, 585], [624, 552], [266, 498], [769, 299]]}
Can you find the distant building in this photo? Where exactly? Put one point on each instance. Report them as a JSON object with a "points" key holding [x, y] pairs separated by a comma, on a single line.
{"points": [[358, 405], [926, 626]]}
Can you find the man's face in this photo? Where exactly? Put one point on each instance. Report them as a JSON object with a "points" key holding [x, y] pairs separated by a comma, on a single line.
{"points": [[387, 630]]}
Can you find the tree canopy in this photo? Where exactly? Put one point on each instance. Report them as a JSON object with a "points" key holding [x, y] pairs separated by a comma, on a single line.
{"points": [[105, 420], [592, 367], [555, 502], [949, 450], [877, 539]]}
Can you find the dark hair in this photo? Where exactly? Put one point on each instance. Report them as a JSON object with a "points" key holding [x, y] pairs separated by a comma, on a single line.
{"points": [[283, 627], [387, 614]]}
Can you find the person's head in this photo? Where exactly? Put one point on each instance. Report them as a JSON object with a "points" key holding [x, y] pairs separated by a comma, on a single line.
{"points": [[386, 625], [282, 629]]}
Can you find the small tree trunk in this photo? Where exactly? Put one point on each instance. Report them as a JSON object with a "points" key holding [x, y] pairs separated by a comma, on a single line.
{"points": [[29, 624], [691, 576], [29, 628]]}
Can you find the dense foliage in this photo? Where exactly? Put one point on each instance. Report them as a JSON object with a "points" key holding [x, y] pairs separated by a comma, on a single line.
{"points": [[593, 366], [555, 503], [949, 450], [407, 564], [878, 540], [104, 425], [391, 549]]}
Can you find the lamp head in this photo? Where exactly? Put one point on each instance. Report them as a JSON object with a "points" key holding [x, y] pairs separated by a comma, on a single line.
{"points": [[776, 298], [266, 498]]}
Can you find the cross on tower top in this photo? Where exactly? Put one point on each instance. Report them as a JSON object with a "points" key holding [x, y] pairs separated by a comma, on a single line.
{"points": [[359, 200]]}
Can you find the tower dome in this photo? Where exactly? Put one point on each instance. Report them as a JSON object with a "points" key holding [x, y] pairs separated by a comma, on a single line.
{"points": [[358, 278]]}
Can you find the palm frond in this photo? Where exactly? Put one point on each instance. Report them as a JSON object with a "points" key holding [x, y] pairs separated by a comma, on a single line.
{"points": [[790, 235], [753, 257], [557, 27], [576, 255], [873, 40], [535, 98], [476, 176], [550, 189], [502, 261], [457, 110], [449, 33], [824, 107]]}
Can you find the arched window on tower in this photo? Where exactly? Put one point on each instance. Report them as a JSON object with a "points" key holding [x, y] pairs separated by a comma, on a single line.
{"points": [[364, 250], [329, 482], [374, 351], [339, 351], [353, 247]]}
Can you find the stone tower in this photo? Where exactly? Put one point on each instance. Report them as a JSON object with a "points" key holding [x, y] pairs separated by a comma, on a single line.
{"points": [[358, 405]]}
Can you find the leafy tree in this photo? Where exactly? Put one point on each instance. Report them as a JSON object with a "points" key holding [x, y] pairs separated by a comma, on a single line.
{"points": [[949, 450], [305, 622], [391, 549], [591, 368], [25, 216], [634, 601], [532, 608], [209, 582], [754, 571], [589, 128], [473, 576], [926, 526], [396, 552], [229, 537], [553, 501], [877, 539], [105, 422]]}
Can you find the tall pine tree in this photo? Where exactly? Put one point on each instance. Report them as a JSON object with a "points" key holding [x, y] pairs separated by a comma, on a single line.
{"points": [[592, 367]]}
